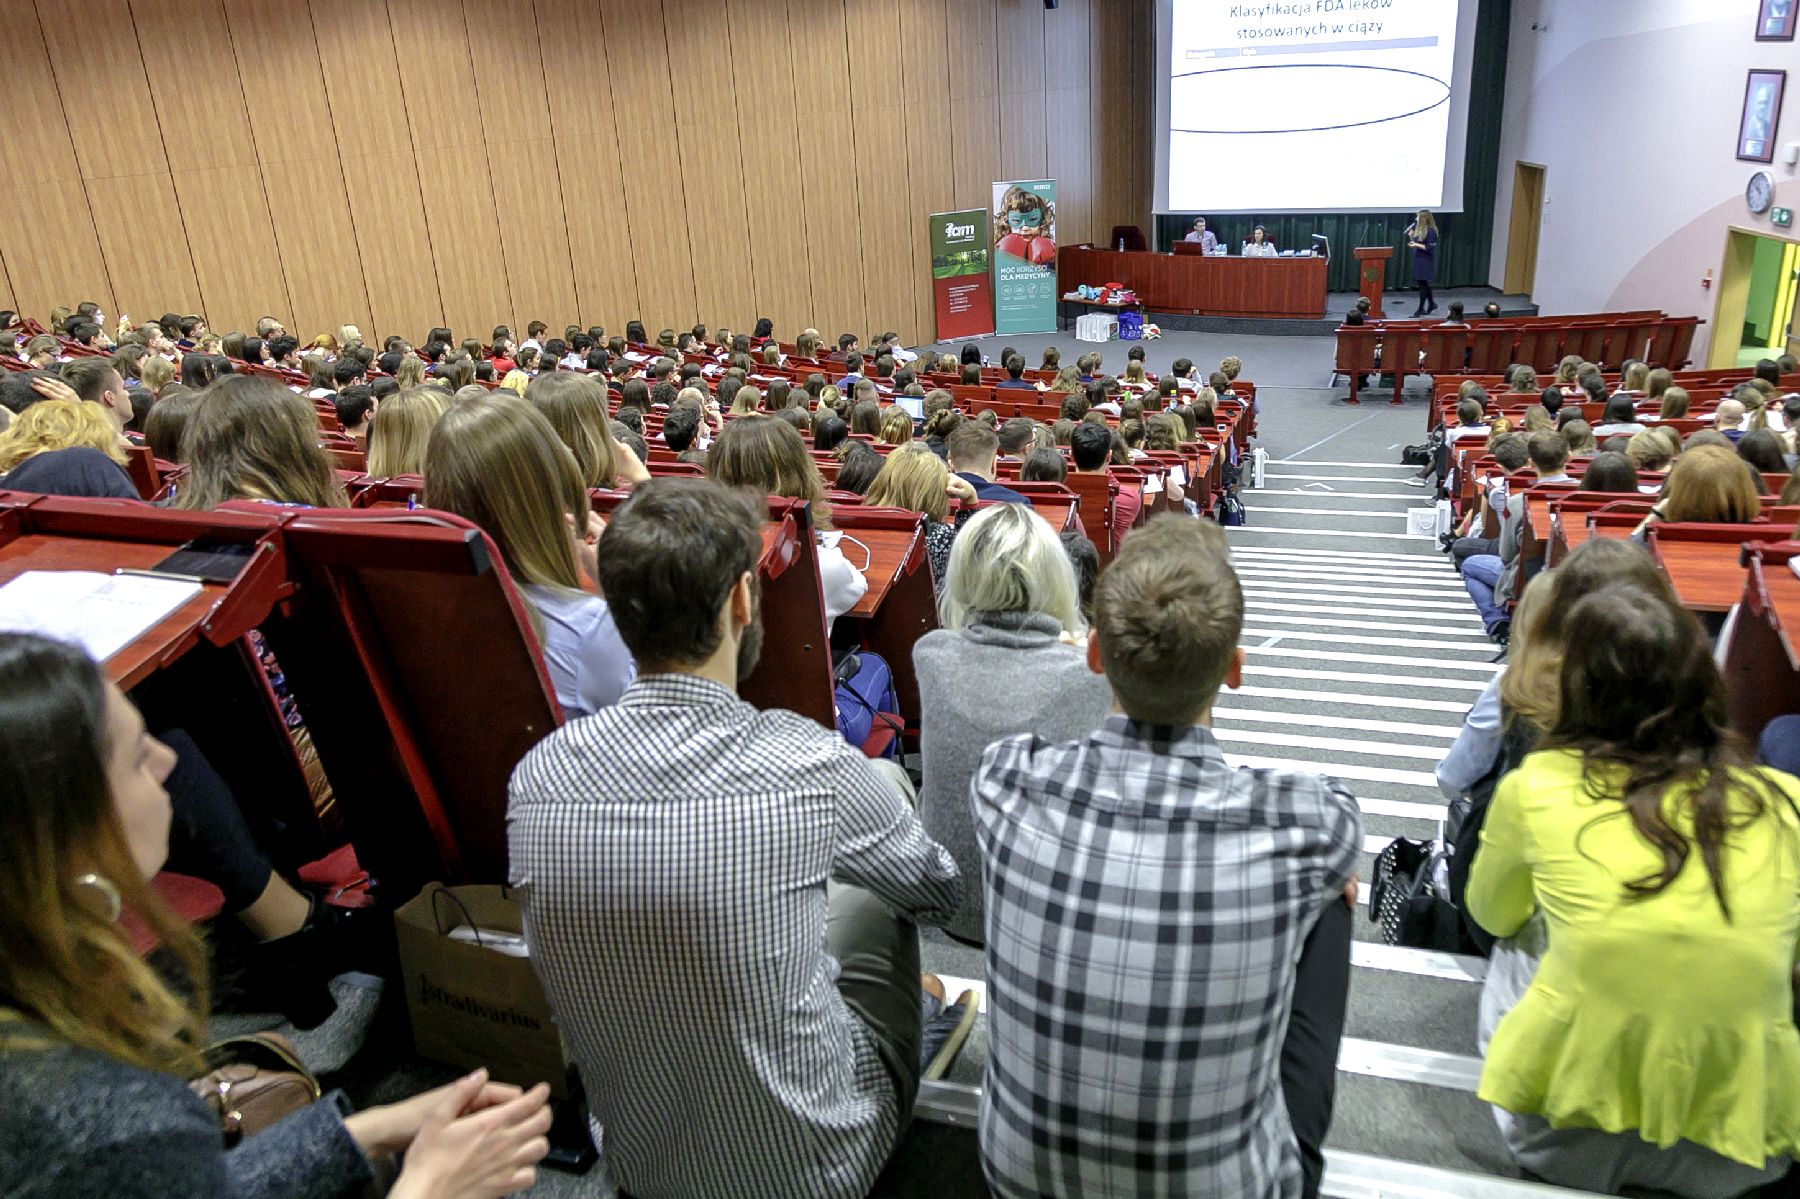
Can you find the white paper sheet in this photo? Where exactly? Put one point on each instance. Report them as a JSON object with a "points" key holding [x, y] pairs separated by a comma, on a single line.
{"points": [[99, 612]]}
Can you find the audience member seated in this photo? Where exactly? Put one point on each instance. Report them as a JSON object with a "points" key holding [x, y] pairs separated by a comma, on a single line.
{"points": [[398, 437], [1518, 707], [913, 477], [857, 468], [1043, 466], [720, 900], [1640, 834], [1004, 662], [1708, 483], [251, 439], [1761, 448], [575, 406], [1090, 447], [96, 1045], [64, 447], [1510, 455], [973, 449], [355, 407], [1154, 918], [767, 455], [498, 463]]}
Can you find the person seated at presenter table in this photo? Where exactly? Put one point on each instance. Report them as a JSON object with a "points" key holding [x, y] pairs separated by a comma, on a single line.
{"points": [[1259, 246], [1208, 242]]}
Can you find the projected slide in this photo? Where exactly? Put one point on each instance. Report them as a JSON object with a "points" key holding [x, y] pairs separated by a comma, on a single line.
{"points": [[1309, 104]]}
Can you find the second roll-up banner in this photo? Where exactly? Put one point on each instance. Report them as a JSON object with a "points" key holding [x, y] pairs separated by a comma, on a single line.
{"points": [[1024, 218]]}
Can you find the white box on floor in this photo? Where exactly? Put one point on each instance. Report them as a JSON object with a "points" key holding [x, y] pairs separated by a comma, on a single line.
{"points": [[1422, 522], [1096, 326]]}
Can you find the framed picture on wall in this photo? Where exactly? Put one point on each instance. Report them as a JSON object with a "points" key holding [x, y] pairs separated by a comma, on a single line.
{"points": [[1762, 111], [1775, 20]]}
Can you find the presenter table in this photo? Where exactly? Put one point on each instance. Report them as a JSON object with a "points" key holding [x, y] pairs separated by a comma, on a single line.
{"points": [[1272, 288]]}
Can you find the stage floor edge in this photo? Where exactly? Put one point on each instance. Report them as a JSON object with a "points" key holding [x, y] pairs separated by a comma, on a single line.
{"points": [[1399, 305]]}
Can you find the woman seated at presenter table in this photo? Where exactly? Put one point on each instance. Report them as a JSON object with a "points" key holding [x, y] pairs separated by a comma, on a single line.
{"points": [[1259, 246]]}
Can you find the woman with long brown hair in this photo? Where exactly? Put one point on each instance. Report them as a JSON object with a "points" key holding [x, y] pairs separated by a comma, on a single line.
{"points": [[96, 1045], [768, 455], [250, 438], [575, 406], [496, 461], [1708, 483], [1653, 866], [402, 429]]}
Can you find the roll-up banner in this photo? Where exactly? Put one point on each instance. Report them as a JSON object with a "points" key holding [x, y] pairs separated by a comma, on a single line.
{"points": [[960, 285], [1024, 221]]}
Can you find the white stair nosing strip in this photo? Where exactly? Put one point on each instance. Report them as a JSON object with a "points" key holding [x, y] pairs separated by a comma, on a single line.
{"points": [[1406, 1063], [1322, 462], [1332, 494], [1354, 576], [1269, 551], [1301, 651], [1364, 1176], [1350, 567], [1402, 959], [1325, 533], [1400, 809], [1274, 510], [1421, 492], [1359, 639], [1399, 728], [1343, 770], [1452, 602], [1451, 614], [1351, 676], [1338, 699], [1260, 613], [1255, 738]]}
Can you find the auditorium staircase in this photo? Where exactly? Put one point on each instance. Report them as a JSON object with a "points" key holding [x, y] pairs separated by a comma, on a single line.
{"points": [[1364, 653]]}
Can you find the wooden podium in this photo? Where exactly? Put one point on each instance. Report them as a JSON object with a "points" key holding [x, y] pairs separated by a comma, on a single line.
{"points": [[1371, 270]]}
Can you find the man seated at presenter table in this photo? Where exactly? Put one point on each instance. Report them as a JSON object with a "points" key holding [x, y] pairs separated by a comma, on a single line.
{"points": [[1259, 246], [1208, 242]]}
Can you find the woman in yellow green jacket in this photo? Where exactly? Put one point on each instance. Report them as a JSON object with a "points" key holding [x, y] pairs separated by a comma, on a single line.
{"points": [[1655, 1045]]}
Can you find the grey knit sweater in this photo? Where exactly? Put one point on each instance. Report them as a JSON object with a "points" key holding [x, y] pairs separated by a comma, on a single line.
{"points": [[1002, 674], [77, 1123]]}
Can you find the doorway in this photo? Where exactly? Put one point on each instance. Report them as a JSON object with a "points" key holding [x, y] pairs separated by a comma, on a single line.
{"points": [[1522, 234], [1759, 289]]}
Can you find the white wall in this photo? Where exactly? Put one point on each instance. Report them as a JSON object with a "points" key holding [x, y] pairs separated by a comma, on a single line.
{"points": [[1633, 106]]}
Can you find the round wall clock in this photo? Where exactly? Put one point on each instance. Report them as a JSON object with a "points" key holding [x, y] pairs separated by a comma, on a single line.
{"points": [[1759, 193]]}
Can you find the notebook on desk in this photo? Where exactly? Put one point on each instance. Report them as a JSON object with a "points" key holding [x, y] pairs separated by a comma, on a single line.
{"points": [[101, 613]]}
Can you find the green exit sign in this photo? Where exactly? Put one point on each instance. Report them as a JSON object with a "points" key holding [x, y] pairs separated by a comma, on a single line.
{"points": [[1782, 216]]}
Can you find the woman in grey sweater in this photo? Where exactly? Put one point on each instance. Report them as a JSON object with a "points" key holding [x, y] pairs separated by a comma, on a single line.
{"points": [[1005, 661], [95, 1046]]}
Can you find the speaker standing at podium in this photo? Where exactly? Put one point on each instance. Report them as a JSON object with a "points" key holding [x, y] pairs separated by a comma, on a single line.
{"points": [[1422, 236]]}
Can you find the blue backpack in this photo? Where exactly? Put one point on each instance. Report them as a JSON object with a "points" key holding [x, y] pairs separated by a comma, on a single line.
{"points": [[866, 698]]}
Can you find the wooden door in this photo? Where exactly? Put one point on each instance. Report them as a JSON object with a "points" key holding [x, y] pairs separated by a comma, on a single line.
{"points": [[1522, 236]]}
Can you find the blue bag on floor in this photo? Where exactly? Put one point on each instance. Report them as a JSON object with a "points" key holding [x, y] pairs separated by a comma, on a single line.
{"points": [[1131, 326], [865, 695]]}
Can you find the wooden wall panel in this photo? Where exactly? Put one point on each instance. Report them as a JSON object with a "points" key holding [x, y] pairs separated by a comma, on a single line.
{"points": [[405, 163], [388, 215], [191, 68], [362, 79], [317, 240], [465, 238], [36, 145], [593, 192], [145, 245], [770, 148], [100, 76], [229, 237], [52, 255]]}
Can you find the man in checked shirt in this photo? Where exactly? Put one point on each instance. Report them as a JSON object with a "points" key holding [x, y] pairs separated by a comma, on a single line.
{"points": [[720, 900], [1154, 915]]}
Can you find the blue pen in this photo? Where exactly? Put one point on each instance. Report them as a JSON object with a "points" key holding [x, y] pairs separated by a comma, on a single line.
{"points": [[412, 502]]}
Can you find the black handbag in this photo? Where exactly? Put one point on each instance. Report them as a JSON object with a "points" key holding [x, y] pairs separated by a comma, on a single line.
{"points": [[1404, 898]]}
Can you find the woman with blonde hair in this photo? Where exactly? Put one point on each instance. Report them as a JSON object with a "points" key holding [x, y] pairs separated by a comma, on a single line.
{"points": [[250, 438], [1067, 382], [1566, 371], [515, 381], [1657, 384], [1649, 451], [767, 454], [410, 372], [896, 426], [1539, 420], [1135, 376], [830, 399], [575, 406], [402, 429], [1708, 483], [156, 373], [499, 464], [1674, 401], [1011, 625], [97, 1043], [64, 447], [916, 479], [1636, 379], [1580, 436], [746, 401]]}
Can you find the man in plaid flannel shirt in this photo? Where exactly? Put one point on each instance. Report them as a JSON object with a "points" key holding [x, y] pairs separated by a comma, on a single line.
{"points": [[1147, 910]]}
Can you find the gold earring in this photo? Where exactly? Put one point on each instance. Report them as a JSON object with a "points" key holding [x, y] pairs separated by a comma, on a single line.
{"points": [[108, 892]]}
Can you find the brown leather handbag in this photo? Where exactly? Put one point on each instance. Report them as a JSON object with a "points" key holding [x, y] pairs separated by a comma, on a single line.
{"points": [[253, 1081]]}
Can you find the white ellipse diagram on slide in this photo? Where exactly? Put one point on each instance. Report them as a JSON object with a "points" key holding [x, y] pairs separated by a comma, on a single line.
{"points": [[1276, 98]]}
